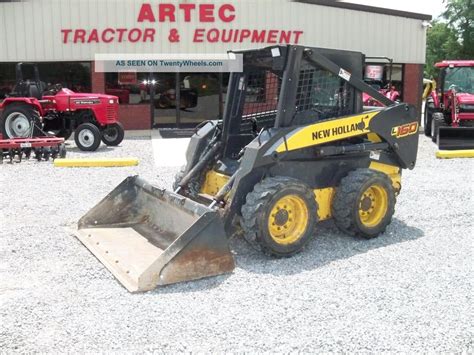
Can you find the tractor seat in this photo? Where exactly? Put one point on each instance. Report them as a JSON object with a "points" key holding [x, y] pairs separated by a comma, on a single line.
{"points": [[34, 91], [28, 89]]}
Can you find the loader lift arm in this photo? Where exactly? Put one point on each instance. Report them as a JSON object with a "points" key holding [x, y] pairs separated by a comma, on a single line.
{"points": [[359, 84]]}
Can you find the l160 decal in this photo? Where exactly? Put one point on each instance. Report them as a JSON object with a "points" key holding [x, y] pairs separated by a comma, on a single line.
{"points": [[405, 130]]}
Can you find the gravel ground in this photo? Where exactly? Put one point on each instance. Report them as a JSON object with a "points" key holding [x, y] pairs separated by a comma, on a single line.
{"points": [[409, 290]]}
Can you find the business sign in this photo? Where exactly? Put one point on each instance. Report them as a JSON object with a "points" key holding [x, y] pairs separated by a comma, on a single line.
{"points": [[221, 16], [127, 78]]}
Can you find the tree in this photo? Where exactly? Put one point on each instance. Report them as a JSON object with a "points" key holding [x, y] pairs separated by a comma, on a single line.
{"points": [[459, 15], [442, 43], [452, 35]]}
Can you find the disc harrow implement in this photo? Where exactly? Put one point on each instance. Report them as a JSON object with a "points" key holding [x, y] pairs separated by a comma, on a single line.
{"points": [[40, 148]]}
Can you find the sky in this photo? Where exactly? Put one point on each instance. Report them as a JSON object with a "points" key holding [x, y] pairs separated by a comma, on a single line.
{"points": [[430, 7]]}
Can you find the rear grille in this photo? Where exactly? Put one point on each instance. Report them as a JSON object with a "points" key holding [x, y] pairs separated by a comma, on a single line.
{"points": [[111, 113]]}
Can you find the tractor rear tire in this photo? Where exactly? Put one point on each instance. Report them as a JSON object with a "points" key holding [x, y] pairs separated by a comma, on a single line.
{"points": [[279, 216], [20, 121], [113, 134], [87, 137], [364, 203]]}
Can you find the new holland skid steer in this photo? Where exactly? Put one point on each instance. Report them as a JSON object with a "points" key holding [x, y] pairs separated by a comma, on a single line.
{"points": [[294, 148]]}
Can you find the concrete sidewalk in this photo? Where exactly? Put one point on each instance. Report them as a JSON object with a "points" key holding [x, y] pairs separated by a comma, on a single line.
{"points": [[169, 152]]}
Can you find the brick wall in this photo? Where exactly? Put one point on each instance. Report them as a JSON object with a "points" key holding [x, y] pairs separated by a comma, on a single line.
{"points": [[413, 85], [97, 81], [135, 116]]}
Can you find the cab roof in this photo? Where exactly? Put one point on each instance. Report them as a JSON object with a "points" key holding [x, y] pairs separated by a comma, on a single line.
{"points": [[455, 63]]}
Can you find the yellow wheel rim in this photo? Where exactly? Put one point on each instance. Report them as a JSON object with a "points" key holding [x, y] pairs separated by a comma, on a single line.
{"points": [[288, 219], [373, 205]]}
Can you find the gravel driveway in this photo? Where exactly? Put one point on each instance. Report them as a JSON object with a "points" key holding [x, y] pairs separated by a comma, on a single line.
{"points": [[409, 290]]}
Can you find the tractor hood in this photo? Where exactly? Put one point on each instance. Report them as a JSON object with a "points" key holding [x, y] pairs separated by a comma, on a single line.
{"points": [[465, 98], [72, 94]]}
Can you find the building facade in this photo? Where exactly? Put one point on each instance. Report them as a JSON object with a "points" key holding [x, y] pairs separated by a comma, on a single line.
{"points": [[63, 36]]}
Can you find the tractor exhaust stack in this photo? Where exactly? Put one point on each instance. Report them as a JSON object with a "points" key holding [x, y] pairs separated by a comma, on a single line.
{"points": [[148, 237]]}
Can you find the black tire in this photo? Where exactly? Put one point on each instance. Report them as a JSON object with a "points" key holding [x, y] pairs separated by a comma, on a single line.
{"points": [[113, 134], [257, 216], [351, 197], [62, 151], [20, 130], [428, 118], [87, 137], [437, 121]]}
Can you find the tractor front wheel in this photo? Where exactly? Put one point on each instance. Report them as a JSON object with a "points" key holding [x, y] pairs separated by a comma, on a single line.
{"points": [[364, 203], [20, 121], [438, 121], [87, 137], [279, 216], [428, 118], [113, 134]]}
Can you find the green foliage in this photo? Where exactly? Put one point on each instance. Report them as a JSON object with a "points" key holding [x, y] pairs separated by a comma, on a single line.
{"points": [[452, 36], [459, 15], [442, 43]]}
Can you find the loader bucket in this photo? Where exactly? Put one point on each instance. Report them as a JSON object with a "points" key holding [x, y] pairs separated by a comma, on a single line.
{"points": [[455, 138], [148, 237]]}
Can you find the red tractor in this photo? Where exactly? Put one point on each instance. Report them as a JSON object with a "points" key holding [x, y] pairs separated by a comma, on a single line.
{"points": [[449, 110], [32, 111]]}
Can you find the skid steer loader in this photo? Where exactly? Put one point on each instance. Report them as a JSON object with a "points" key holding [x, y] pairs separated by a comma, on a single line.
{"points": [[294, 148]]}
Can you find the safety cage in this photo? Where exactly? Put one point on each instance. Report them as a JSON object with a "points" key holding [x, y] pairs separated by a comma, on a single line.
{"points": [[264, 95]]}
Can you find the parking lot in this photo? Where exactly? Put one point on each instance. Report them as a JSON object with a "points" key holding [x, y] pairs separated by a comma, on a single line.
{"points": [[408, 290]]}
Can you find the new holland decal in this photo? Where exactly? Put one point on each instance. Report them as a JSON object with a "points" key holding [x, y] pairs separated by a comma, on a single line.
{"points": [[328, 131], [336, 131]]}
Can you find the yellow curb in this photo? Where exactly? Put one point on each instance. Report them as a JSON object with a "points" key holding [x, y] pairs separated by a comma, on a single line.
{"points": [[95, 162], [449, 154]]}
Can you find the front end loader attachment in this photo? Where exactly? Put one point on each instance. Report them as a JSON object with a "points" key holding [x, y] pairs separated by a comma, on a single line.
{"points": [[148, 237], [455, 138]]}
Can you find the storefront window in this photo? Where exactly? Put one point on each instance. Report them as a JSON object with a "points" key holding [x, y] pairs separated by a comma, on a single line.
{"points": [[130, 87], [7, 79], [164, 102], [75, 76], [199, 97], [379, 75]]}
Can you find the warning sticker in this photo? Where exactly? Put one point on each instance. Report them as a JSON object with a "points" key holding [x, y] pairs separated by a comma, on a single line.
{"points": [[344, 74]]}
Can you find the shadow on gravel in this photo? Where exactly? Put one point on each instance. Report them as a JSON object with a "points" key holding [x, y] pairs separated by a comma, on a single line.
{"points": [[192, 286], [328, 245], [102, 148]]}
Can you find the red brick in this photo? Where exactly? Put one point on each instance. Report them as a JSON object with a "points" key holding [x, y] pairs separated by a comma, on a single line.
{"points": [[97, 81], [413, 85], [135, 116]]}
